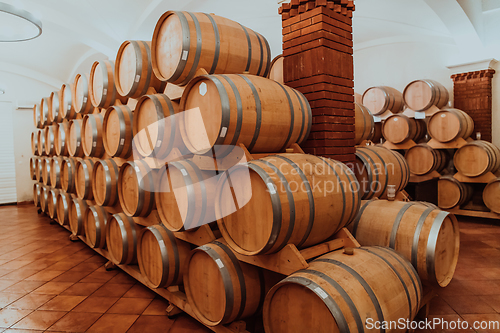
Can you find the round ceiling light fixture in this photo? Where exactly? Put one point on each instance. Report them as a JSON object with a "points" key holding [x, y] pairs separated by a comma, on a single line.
{"points": [[17, 25]]}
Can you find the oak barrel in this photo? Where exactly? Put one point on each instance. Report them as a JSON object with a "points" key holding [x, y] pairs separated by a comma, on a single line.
{"points": [[105, 175], [161, 256], [44, 111], [34, 142], [398, 129], [91, 135], [219, 288], [68, 174], [381, 99], [55, 171], [184, 42], [364, 125], [46, 170], [117, 131], [133, 72], [36, 116], [345, 293], [83, 179], [33, 168], [121, 239], [427, 236], [491, 195], [452, 193], [78, 207], [55, 115], [376, 168], [102, 88], [421, 95], [49, 139], [423, 159], [262, 114], [44, 201], [156, 127], [137, 184], [74, 139], [61, 139], [285, 199], [52, 203], [96, 220], [276, 72], [37, 189], [65, 102], [477, 158], [63, 207], [38, 169], [185, 196], [80, 95], [450, 124], [41, 142]]}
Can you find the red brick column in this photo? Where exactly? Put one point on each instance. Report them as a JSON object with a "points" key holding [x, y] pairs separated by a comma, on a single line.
{"points": [[473, 95], [317, 50]]}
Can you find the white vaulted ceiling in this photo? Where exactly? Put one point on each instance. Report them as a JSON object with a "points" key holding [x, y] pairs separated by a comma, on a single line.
{"points": [[78, 32]]}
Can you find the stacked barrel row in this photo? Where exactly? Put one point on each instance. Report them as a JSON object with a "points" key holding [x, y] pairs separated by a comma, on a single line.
{"points": [[137, 173]]}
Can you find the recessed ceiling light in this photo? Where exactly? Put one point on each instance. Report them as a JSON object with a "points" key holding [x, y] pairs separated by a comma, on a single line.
{"points": [[17, 24]]}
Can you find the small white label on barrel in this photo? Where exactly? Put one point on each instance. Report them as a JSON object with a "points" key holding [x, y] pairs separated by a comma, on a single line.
{"points": [[223, 132], [377, 119], [271, 188], [158, 143], [78, 144], [219, 263], [185, 54], [105, 92], [203, 89], [321, 293], [137, 78], [419, 115], [184, 172], [85, 100], [122, 141], [94, 144]]}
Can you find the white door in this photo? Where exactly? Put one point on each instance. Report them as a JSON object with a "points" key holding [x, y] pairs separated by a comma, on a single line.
{"points": [[8, 192]]}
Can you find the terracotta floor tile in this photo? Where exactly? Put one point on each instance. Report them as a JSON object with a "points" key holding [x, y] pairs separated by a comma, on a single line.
{"points": [[82, 289], [112, 290], [468, 304], [42, 264], [130, 306], [99, 277], [62, 303], [186, 324], [53, 288], [39, 320], [75, 322], [9, 317], [44, 275], [493, 301], [482, 287], [94, 304], [8, 298], [62, 266], [31, 301], [97, 259], [86, 267], [157, 307], [151, 324], [139, 291], [122, 278], [71, 276], [24, 287], [15, 264], [20, 274], [490, 273], [113, 323]]}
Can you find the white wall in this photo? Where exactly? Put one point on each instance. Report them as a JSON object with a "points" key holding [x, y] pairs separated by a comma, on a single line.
{"points": [[495, 86]]}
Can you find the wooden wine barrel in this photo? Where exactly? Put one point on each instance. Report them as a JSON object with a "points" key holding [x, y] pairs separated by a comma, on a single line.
{"points": [[66, 103], [376, 168], [428, 237], [450, 124], [156, 129], [78, 207], [477, 158], [44, 201], [68, 174], [185, 199], [49, 139], [345, 293], [36, 116], [364, 124], [55, 115], [34, 142], [121, 239], [161, 256], [263, 114], [80, 95], [38, 169], [96, 220], [276, 71], [398, 128], [235, 289], [92, 135], [44, 111], [452, 193], [287, 200], [136, 188], [133, 72], [223, 47], [37, 192], [83, 179], [421, 95], [491, 195], [117, 131], [381, 99], [33, 168], [423, 159], [63, 207], [105, 175], [74, 140], [61, 139], [52, 203], [41, 142], [55, 171], [46, 171], [102, 89]]}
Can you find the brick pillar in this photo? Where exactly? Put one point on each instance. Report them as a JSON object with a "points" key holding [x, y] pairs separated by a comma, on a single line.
{"points": [[318, 61], [473, 95]]}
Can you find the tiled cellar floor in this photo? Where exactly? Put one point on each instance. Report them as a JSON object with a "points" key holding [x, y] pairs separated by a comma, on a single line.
{"points": [[48, 283]]}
